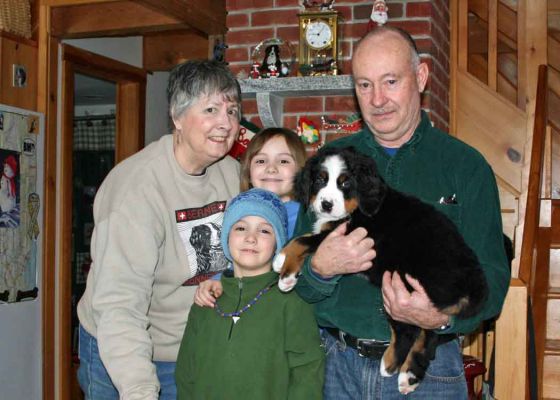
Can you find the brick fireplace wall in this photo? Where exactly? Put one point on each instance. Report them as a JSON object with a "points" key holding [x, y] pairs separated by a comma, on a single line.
{"points": [[251, 21]]}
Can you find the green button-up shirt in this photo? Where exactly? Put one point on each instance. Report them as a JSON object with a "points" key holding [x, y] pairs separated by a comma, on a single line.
{"points": [[431, 165]]}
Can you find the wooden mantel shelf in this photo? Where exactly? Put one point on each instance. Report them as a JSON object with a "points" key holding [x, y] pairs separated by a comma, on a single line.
{"points": [[270, 93]]}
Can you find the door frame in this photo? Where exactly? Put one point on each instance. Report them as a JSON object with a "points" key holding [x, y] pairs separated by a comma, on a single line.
{"points": [[129, 138]]}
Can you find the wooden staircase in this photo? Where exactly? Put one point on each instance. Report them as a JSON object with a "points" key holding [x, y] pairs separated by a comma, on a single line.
{"points": [[506, 63], [498, 46], [551, 365]]}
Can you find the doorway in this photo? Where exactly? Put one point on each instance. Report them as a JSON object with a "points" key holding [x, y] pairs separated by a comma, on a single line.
{"points": [[90, 146]]}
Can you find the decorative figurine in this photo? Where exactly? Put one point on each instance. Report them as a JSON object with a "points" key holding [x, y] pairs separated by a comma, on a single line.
{"points": [[379, 14], [219, 50], [255, 73], [321, 5], [272, 65], [273, 71], [306, 129]]}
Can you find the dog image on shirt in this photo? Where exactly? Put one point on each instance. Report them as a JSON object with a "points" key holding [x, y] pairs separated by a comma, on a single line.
{"points": [[205, 240], [411, 237]]}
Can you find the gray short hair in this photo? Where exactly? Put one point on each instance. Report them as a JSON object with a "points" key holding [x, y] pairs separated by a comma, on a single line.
{"points": [[380, 30], [195, 78]]}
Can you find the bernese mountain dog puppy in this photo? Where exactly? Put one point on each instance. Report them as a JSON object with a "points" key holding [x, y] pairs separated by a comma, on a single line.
{"points": [[411, 237]]}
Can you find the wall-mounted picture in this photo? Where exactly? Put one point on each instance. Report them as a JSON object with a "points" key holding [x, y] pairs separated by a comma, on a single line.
{"points": [[9, 189], [20, 76]]}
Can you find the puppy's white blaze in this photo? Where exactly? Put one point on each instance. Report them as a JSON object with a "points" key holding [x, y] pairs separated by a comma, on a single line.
{"points": [[404, 386], [278, 262], [383, 369], [334, 165], [287, 283]]}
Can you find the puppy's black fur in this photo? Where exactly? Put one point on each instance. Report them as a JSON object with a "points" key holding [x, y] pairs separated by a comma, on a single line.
{"points": [[411, 237]]}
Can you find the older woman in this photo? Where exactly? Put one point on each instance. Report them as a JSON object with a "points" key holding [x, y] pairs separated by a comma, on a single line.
{"points": [[158, 216]]}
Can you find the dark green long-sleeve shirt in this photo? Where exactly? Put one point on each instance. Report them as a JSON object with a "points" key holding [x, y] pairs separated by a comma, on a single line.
{"points": [[430, 166], [272, 352]]}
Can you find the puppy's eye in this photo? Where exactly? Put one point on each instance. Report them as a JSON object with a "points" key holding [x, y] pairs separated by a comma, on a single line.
{"points": [[345, 184]]}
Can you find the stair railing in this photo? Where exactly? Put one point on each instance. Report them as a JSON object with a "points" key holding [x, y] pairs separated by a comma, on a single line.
{"points": [[511, 346]]}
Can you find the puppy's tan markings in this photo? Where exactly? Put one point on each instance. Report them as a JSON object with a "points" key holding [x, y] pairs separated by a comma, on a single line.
{"points": [[456, 308], [389, 361], [408, 382], [294, 253], [350, 205]]}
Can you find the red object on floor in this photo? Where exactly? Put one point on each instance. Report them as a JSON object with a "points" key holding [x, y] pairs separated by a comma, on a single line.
{"points": [[473, 368]]}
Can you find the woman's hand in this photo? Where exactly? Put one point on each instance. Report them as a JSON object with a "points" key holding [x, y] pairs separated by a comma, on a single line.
{"points": [[207, 292]]}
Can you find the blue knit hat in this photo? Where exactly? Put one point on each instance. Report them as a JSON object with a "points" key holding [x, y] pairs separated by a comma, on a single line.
{"points": [[260, 203]]}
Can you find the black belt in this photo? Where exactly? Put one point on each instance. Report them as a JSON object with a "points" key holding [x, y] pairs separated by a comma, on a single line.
{"points": [[370, 348]]}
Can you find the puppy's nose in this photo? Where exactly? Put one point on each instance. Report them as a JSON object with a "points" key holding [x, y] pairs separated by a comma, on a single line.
{"points": [[326, 205]]}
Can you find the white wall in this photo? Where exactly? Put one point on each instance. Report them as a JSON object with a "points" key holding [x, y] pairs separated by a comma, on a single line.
{"points": [[157, 114], [129, 50]]}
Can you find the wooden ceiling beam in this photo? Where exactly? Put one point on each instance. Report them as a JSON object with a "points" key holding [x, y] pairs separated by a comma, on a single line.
{"points": [[208, 17], [117, 18], [162, 51]]}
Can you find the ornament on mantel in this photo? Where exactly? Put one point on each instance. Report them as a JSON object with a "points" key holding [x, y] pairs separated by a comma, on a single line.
{"points": [[378, 15], [307, 130], [320, 5]]}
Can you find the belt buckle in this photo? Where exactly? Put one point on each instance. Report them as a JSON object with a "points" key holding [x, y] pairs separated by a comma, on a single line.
{"points": [[379, 346]]}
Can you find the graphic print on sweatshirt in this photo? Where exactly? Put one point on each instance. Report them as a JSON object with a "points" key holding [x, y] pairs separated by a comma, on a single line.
{"points": [[200, 229]]}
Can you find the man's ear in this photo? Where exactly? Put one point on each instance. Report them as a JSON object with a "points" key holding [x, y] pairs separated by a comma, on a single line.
{"points": [[422, 73]]}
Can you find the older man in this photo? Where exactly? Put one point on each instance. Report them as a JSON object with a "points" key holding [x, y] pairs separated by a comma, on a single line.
{"points": [[416, 158]]}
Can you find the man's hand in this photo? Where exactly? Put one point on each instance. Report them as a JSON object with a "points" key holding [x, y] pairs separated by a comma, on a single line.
{"points": [[207, 292], [343, 254], [413, 308]]}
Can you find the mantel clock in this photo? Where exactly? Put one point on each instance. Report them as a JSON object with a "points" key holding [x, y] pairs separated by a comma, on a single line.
{"points": [[318, 43]]}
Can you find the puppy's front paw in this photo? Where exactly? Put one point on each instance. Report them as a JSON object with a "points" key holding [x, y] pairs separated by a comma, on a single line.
{"points": [[383, 369], [407, 382], [287, 283], [278, 262]]}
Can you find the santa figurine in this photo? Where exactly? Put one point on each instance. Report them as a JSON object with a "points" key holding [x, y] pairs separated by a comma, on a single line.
{"points": [[378, 15], [255, 73], [8, 185], [273, 71]]}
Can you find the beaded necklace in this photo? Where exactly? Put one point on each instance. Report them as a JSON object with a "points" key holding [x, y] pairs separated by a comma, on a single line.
{"points": [[235, 315]]}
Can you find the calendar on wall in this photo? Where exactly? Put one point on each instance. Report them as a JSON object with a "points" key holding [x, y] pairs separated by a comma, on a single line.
{"points": [[21, 194]]}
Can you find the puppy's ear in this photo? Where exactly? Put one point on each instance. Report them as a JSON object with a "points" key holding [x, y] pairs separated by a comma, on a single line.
{"points": [[371, 187], [302, 185]]}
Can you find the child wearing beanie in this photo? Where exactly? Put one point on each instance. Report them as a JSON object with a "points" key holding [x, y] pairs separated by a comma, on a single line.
{"points": [[257, 343]]}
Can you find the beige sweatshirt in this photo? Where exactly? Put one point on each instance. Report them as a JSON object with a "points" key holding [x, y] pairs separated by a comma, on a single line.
{"points": [[155, 228]]}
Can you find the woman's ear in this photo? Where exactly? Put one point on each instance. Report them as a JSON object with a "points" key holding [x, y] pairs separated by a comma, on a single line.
{"points": [[176, 124]]}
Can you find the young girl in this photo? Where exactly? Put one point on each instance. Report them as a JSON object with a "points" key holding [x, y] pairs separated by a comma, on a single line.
{"points": [[257, 343], [270, 162]]}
